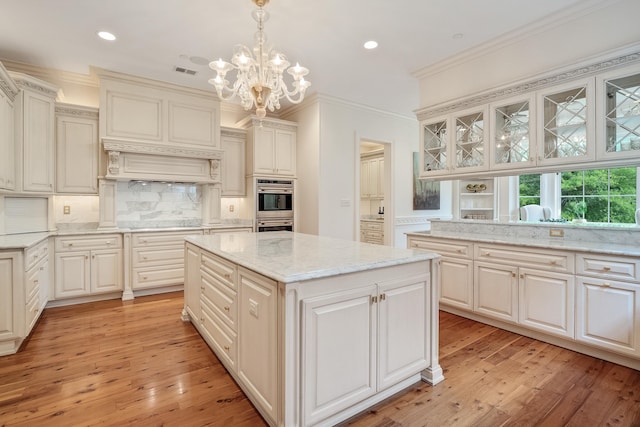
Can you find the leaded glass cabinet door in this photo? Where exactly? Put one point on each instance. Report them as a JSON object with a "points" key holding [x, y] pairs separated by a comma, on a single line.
{"points": [[435, 146], [512, 133], [470, 149], [566, 115], [619, 103]]}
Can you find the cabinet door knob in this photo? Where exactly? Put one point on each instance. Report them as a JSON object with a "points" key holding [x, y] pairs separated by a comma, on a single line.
{"points": [[521, 276], [383, 297], [226, 347], [227, 276], [513, 274], [606, 285], [35, 282], [226, 308], [374, 299]]}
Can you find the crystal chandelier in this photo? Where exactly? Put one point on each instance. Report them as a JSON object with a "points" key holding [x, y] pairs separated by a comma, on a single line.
{"points": [[259, 80]]}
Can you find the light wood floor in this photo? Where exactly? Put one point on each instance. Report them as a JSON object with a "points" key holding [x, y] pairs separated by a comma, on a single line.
{"points": [[115, 363]]}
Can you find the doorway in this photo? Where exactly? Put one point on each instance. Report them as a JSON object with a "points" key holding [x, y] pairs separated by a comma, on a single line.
{"points": [[374, 211]]}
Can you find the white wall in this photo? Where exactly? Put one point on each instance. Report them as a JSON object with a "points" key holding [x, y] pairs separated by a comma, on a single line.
{"points": [[576, 36], [329, 135]]}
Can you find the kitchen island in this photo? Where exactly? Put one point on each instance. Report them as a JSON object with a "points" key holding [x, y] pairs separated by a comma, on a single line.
{"points": [[314, 329]]}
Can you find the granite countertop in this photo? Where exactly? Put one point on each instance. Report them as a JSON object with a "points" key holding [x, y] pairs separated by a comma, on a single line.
{"points": [[549, 243], [291, 257]]}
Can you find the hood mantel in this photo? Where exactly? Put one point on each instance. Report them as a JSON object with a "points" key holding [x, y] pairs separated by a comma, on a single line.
{"points": [[129, 160]]}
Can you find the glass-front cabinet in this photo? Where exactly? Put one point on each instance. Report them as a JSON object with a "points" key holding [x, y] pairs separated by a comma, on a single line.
{"points": [[454, 144], [434, 147], [566, 114], [512, 133], [619, 112]]}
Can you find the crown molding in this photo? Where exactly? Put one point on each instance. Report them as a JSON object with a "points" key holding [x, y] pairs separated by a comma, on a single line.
{"points": [[319, 98], [254, 121], [73, 110], [233, 132], [34, 84], [7, 85], [88, 80], [542, 25], [539, 82]]}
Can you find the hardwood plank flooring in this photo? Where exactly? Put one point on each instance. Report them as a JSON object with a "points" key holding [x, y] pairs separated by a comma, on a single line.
{"points": [[115, 363]]}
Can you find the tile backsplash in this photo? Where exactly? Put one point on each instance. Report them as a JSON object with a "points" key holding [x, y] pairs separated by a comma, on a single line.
{"points": [[157, 204]]}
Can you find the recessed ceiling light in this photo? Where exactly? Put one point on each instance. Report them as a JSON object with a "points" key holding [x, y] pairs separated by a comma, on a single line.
{"points": [[105, 35], [371, 44]]}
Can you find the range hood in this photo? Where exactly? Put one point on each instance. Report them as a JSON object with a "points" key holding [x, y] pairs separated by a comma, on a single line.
{"points": [[136, 160]]}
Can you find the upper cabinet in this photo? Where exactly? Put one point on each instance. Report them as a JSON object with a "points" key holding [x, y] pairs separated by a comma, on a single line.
{"points": [[585, 118], [142, 110], [233, 142], [35, 134], [8, 93], [372, 175], [618, 93], [455, 144], [76, 149], [271, 147]]}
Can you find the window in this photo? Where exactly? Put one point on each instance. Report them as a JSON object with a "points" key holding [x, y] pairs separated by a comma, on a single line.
{"points": [[529, 186], [600, 195]]}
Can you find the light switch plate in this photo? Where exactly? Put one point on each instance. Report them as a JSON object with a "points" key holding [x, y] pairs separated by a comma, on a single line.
{"points": [[66, 210]]}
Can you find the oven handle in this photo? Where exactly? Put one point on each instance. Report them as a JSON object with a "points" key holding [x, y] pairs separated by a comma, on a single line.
{"points": [[275, 190], [274, 223]]}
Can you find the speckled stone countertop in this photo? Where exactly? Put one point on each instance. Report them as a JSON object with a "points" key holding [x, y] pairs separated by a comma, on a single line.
{"points": [[291, 257], [604, 240]]}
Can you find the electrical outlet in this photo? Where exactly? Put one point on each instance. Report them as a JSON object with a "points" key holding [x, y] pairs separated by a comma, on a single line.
{"points": [[231, 208], [556, 232], [66, 210]]}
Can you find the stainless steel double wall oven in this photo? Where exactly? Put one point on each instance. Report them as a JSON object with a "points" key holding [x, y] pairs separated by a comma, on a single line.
{"points": [[274, 205]]}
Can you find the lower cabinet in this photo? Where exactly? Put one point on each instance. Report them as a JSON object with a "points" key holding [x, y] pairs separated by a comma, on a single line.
{"points": [[585, 298], [372, 232], [24, 287], [87, 265], [608, 314], [345, 365]]}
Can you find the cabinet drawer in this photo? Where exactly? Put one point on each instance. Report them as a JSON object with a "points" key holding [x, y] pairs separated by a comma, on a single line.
{"points": [[453, 248], [372, 225], [35, 254], [154, 256], [219, 268], [75, 243], [32, 281], [220, 336], [608, 267], [151, 277], [220, 299], [164, 238], [548, 260]]}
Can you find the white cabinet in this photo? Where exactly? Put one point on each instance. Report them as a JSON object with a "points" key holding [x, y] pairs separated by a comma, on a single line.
{"points": [[76, 149], [455, 144], [618, 114], [456, 269], [24, 285], [608, 302], [372, 177], [87, 265], [372, 231], [8, 92], [233, 143], [567, 123], [496, 291], [35, 133], [157, 258], [271, 147], [512, 128], [476, 199], [347, 365], [258, 338]]}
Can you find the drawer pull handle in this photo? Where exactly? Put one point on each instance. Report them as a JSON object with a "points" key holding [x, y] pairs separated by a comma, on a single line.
{"points": [[108, 242], [144, 277], [226, 347], [606, 285], [486, 254], [202, 288], [227, 276], [606, 268], [460, 251], [226, 308], [553, 262], [35, 282], [70, 244], [144, 257]]}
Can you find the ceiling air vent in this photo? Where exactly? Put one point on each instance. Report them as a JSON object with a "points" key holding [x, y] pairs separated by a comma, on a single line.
{"points": [[186, 71]]}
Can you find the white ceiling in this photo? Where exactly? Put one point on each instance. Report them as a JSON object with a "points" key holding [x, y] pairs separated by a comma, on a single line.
{"points": [[326, 36]]}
